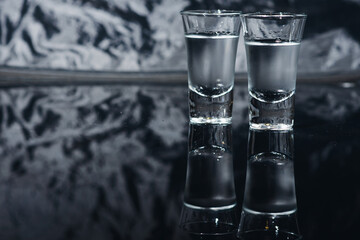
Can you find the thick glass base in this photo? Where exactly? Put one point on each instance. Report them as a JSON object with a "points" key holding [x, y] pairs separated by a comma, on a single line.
{"points": [[266, 225], [268, 235], [202, 120], [269, 126], [208, 221], [210, 109], [270, 113]]}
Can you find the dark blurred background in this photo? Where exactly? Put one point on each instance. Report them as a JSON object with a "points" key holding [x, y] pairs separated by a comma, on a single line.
{"points": [[147, 35], [82, 160]]}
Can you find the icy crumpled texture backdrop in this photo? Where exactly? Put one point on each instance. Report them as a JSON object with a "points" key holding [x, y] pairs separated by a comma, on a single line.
{"points": [[90, 162], [146, 35]]}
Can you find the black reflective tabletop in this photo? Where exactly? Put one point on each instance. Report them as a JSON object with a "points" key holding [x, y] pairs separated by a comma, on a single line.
{"points": [[109, 161]]}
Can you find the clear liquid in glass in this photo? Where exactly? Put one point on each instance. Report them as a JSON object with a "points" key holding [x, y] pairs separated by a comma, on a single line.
{"points": [[210, 181], [270, 184], [211, 65], [272, 68]]}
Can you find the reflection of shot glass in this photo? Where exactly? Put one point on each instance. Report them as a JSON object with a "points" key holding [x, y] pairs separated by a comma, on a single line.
{"points": [[209, 198], [211, 41], [272, 42], [269, 206]]}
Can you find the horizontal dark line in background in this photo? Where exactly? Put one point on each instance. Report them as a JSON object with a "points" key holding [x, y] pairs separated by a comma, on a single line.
{"points": [[24, 77]]}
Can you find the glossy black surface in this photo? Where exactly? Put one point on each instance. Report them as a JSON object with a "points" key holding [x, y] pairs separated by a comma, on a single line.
{"points": [[109, 162]]}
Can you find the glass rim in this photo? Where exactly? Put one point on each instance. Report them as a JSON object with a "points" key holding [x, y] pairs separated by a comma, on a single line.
{"points": [[210, 13], [275, 15]]}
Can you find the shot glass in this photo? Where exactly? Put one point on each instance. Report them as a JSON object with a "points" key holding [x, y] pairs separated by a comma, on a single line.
{"points": [[211, 40], [272, 42], [209, 198], [269, 207]]}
